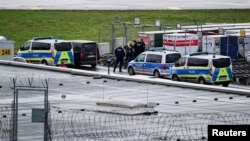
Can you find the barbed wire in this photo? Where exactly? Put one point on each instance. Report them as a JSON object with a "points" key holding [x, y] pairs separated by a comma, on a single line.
{"points": [[79, 124], [89, 125]]}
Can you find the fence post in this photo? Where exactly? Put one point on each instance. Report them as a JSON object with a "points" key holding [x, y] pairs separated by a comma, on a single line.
{"points": [[112, 36], [99, 36], [46, 127], [14, 128], [125, 33]]}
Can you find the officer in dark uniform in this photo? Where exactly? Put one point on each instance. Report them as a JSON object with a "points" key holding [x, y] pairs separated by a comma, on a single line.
{"points": [[119, 54], [129, 52], [137, 48], [142, 46]]}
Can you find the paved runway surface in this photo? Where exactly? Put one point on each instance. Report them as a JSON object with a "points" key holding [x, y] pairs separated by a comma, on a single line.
{"points": [[124, 4], [76, 89], [180, 104]]}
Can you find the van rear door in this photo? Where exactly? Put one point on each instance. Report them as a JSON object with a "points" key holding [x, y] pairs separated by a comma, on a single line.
{"points": [[89, 52], [85, 53], [170, 60], [222, 70], [64, 53]]}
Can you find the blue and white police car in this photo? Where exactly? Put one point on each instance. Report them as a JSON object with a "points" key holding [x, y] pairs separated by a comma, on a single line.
{"points": [[156, 63]]}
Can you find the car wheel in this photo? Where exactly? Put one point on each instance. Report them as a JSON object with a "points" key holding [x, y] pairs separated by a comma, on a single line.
{"points": [[202, 80], [157, 74], [44, 62], [175, 78], [93, 65], [225, 84], [131, 71]]}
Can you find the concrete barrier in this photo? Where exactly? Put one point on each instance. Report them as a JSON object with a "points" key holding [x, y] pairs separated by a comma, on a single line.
{"points": [[131, 78]]}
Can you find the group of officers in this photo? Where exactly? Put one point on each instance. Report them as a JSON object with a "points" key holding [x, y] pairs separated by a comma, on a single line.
{"points": [[130, 51]]}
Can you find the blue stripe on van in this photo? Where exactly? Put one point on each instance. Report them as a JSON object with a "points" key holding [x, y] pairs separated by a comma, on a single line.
{"points": [[58, 53], [158, 66], [216, 73], [35, 55], [192, 72], [57, 56]]}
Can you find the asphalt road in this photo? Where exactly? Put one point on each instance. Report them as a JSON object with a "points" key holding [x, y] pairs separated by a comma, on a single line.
{"points": [[124, 4]]}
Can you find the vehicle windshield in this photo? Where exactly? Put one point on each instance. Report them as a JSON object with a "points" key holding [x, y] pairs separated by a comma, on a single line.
{"points": [[63, 46], [221, 63], [172, 58]]}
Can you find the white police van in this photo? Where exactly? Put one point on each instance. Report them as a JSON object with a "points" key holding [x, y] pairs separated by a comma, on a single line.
{"points": [[203, 68], [48, 51], [156, 63]]}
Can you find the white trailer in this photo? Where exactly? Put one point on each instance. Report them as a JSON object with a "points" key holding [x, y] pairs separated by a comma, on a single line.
{"points": [[246, 47], [183, 43], [211, 43], [6, 49]]}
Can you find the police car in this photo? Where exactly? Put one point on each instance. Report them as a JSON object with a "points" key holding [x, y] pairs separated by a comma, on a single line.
{"points": [[48, 51], [203, 68], [156, 63]]}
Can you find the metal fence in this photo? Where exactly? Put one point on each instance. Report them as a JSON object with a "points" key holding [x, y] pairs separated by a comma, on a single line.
{"points": [[125, 31], [120, 32], [5, 122], [89, 125], [17, 121]]}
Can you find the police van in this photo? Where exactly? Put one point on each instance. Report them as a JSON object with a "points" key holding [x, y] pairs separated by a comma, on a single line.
{"points": [[156, 63], [48, 51], [203, 68]]}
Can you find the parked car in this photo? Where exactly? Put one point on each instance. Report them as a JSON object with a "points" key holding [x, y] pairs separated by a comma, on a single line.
{"points": [[156, 63], [85, 52], [19, 59], [203, 68]]}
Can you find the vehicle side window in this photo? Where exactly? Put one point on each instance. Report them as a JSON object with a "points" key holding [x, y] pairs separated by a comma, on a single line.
{"points": [[171, 58], [181, 62], [141, 58], [157, 58], [63, 46], [152, 58], [40, 46], [26, 46], [197, 62], [149, 58]]}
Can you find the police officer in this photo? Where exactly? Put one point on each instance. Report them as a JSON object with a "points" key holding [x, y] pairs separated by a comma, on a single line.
{"points": [[142, 46], [119, 54], [137, 48], [129, 52]]}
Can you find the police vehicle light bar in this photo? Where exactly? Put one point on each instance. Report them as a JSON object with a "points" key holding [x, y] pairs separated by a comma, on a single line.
{"points": [[199, 53], [42, 38]]}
